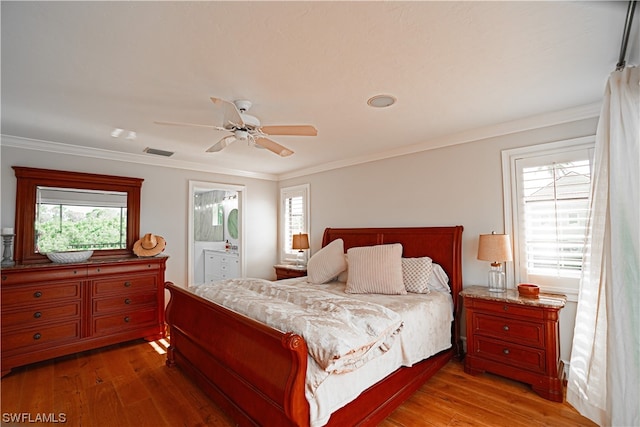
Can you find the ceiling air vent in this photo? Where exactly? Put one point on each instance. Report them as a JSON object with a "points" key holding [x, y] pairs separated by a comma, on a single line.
{"points": [[158, 152]]}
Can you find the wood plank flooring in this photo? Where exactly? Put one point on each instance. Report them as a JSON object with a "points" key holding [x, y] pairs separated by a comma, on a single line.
{"points": [[129, 385]]}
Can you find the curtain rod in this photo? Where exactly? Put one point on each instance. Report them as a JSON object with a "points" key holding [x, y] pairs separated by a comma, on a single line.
{"points": [[625, 36]]}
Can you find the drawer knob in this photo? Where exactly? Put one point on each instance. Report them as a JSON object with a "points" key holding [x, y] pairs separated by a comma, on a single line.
{"points": [[505, 307], [127, 301], [37, 315], [505, 327], [37, 336], [127, 284], [126, 319], [37, 294], [505, 351]]}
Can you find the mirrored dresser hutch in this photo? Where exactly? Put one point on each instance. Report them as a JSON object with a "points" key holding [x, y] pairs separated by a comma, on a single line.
{"points": [[55, 309]]}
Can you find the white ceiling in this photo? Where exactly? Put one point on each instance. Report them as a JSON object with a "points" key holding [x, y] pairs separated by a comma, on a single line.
{"points": [[73, 71]]}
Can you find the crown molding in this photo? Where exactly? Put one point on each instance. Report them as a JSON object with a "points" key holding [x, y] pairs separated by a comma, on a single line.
{"points": [[99, 153], [534, 122], [582, 112]]}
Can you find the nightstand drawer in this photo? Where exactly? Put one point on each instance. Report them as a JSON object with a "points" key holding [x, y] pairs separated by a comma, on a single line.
{"points": [[531, 359], [289, 272], [507, 309], [509, 329]]}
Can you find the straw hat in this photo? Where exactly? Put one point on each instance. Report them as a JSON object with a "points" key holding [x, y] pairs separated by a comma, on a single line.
{"points": [[149, 245]]}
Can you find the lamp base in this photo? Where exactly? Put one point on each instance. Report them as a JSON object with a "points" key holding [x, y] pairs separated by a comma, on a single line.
{"points": [[497, 282], [300, 259]]}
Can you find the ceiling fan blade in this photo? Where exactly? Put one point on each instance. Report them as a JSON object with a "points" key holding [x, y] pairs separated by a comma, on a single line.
{"points": [[189, 124], [299, 130], [230, 115], [223, 143], [273, 146]]}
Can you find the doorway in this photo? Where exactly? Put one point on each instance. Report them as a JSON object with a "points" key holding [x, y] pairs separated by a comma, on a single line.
{"points": [[215, 227]]}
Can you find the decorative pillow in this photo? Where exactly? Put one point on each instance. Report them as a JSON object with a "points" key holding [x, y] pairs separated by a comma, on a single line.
{"points": [[416, 273], [376, 270], [439, 280], [327, 263]]}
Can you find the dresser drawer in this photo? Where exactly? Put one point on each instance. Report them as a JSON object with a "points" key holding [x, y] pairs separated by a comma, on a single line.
{"points": [[40, 294], [124, 302], [122, 322], [38, 274], [36, 315], [531, 359], [124, 268], [39, 337], [124, 285], [509, 329]]}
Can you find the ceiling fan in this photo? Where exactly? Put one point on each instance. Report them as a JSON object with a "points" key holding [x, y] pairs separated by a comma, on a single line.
{"points": [[245, 127]]}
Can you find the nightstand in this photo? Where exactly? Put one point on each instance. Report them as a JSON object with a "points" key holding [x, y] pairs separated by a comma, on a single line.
{"points": [[515, 337], [288, 271]]}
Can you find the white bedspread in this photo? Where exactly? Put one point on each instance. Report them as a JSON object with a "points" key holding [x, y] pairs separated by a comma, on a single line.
{"points": [[341, 333], [426, 330]]}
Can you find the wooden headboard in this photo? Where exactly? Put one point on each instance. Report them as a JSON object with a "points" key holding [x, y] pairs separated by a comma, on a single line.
{"points": [[442, 244]]}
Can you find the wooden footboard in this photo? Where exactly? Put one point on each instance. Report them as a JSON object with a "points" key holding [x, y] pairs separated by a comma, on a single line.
{"points": [[253, 372]]}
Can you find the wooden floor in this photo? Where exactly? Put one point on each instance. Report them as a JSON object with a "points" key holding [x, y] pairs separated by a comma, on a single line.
{"points": [[129, 385]]}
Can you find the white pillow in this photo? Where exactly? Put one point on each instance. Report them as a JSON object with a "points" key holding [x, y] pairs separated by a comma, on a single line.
{"points": [[439, 280], [327, 263], [375, 269], [416, 274]]}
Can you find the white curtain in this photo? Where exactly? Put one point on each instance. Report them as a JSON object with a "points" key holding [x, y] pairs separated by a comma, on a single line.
{"points": [[604, 381]]}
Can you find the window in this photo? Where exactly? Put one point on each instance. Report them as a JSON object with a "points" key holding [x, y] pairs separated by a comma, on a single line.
{"points": [[294, 218], [547, 191]]}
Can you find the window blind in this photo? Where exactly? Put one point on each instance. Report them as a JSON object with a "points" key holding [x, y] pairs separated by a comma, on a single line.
{"points": [[294, 219], [555, 206]]}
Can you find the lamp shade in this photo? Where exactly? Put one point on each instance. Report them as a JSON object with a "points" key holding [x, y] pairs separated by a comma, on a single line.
{"points": [[300, 241], [494, 247]]}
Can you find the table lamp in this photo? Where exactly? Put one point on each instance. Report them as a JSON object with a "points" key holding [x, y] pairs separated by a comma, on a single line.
{"points": [[497, 249], [300, 242]]}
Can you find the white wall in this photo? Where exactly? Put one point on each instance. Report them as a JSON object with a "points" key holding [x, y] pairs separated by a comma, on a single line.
{"points": [[164, 204], [456, 185]]}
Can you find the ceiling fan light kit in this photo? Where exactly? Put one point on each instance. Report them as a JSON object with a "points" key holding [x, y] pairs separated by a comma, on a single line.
{"points": [[245, 127]]}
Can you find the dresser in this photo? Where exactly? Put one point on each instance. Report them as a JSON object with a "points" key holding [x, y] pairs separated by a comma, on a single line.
{"points": [[515, 337], [220, 265], [51, 310]]}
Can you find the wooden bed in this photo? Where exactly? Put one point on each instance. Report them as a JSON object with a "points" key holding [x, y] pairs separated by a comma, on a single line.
{"points": [[257, 374]]}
